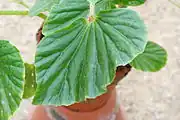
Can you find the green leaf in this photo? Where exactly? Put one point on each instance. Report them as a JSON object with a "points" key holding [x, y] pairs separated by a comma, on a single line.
{"points": [[11, 79], [152, 59], [65, 14], [130, 2], [68, 12], [79, 61], [42, 6], [104, 5], [30, 81], [93, 1]]}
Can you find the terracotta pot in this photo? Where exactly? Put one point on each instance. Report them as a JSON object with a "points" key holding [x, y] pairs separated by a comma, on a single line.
{"points": [[108, 111], [93, 104], [103, 107]]}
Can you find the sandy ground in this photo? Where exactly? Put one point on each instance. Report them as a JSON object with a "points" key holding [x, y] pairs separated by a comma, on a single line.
{"points": [[145, 96]]}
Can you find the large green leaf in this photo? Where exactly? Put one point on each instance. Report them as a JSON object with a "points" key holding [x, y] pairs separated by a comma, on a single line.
{"points": [[42, 6], [11, 79], [79, 61], [152, 59], [68, 11], [130, 2], [30, 81]]}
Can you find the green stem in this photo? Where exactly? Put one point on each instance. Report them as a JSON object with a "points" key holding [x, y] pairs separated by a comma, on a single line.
{"points": [[43, 16], [14, 12], [178, 5], [22, 13]]}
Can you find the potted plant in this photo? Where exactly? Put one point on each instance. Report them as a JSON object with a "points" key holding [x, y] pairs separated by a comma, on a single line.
{"points": [[85, 47]]}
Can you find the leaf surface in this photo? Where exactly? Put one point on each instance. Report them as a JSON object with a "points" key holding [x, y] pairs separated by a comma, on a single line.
{"points": [[130, 2], [93, 1], [11, 79], [79, 61], [68, 11], [42, 6], [152, 59], [65, 14]]}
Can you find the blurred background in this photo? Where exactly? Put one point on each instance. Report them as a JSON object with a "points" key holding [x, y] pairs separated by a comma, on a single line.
{"points": [[145, 96]]}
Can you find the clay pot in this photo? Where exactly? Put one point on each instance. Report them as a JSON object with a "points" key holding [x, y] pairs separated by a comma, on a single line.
{"points": [[108, 111], [103, 107], [93, 104]]}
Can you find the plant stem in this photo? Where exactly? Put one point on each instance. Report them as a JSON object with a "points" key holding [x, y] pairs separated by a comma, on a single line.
{"points": [[22, 13], [14, 12], [178, 5], [43, 16], [92, 9]]}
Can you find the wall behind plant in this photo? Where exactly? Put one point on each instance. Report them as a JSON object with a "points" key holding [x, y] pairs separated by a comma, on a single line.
{"points": [[146, 96]]}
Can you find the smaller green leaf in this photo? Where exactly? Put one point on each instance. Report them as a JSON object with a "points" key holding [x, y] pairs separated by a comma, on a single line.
{"points": [[42, 6], [104, 5], [152, 59], [30, 81], [130, 2], [11, 79]]}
